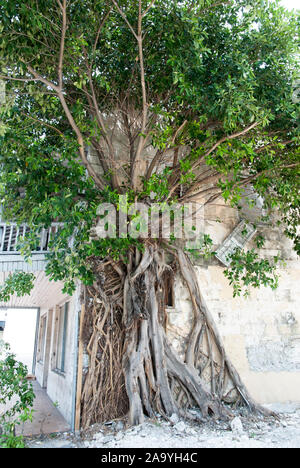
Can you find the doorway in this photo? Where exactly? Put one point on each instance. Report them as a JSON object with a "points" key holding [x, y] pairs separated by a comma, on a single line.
{"points": [[18, 329]]}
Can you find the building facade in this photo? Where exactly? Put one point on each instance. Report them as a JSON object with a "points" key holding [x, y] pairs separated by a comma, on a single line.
{"points": [[261, 333]]}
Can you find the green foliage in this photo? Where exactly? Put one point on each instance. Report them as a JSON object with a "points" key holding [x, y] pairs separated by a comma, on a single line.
{"points": [[212, 71], [16, 393], [203, 247], [248, 270], [157, 186], [19, 284]]}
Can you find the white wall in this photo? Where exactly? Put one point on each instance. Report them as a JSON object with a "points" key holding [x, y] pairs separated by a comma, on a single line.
{"points": [[60, 386]]}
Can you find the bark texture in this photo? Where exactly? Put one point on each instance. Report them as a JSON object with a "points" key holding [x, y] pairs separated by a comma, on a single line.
{"points": [[133, 367]]}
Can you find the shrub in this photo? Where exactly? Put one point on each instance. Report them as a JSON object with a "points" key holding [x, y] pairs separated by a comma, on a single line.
{"points": [[16, 394]]}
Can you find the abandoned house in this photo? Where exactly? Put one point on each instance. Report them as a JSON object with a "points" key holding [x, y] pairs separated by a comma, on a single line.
{"points": [[261, 333]]}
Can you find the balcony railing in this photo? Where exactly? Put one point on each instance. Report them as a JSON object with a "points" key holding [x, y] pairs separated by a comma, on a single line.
{"points": [[10, 235]]}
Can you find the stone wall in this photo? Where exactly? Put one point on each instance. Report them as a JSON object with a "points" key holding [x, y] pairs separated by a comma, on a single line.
{"points": [[261, 333]]}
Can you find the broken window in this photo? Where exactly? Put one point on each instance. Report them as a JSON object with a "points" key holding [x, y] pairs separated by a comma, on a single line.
{"points": [[241, 235], [169, 292]]}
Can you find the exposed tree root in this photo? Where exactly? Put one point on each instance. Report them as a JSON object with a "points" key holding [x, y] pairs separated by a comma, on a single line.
{"points": [[104, 395], [129, 348]]}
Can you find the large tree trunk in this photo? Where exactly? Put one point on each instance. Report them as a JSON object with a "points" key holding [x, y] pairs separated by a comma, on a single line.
{"points": [[133, 368]]}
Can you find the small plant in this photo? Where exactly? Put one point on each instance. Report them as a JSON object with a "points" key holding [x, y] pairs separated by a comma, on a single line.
{"points": [[202, 247], [16, 394]]}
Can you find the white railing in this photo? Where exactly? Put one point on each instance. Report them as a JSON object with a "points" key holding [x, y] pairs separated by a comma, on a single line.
{"points": [[11, 234]]}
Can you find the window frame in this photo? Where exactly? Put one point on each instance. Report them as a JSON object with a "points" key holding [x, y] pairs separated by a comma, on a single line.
{"points": [[42, 339], [60, 338]]}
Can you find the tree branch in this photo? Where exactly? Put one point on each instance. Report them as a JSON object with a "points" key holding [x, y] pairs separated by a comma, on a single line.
{"points": [[142, 139], [211, 150], [40, 78], [266, 171], [222, 140], [11, 78], [178, 131], [43, 123], [100, 28], [156, 158], [149, 8], [139, 37], [80, 140], [101, 124], [261, 149], [62, 43], [125, 18]]}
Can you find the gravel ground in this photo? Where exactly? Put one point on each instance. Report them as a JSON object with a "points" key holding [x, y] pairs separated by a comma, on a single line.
{"points": [[241, 432]]}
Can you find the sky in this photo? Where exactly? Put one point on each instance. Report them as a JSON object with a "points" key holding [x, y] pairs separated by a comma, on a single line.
{"points": [[290, 4]]}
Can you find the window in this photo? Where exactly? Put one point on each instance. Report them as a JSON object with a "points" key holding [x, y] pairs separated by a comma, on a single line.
{"points": [[241, 235], [1, 234], [61, 323], [42, 339], [169, 292]]}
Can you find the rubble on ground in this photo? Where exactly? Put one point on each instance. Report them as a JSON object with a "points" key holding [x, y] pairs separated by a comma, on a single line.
{"points": [[241, 432]]}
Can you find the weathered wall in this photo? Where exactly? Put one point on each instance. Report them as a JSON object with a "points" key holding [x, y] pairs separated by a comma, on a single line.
{"points": [[261, 333], [60, 386]]}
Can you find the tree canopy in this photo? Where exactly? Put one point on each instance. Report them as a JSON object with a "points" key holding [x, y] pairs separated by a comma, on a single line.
{"points": [[207, 85]]}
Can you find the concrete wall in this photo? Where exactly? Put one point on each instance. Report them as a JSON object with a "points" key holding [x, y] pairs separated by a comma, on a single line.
{"points": [[261, 333]]}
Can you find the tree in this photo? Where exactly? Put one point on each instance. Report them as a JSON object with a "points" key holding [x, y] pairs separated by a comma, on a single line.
{"points": [[160, 101]]}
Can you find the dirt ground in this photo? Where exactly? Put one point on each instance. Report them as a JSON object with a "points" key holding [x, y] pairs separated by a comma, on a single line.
{"points": [[241, 432]]}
